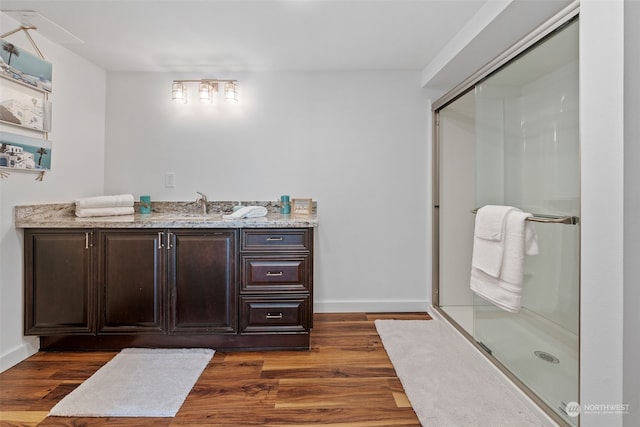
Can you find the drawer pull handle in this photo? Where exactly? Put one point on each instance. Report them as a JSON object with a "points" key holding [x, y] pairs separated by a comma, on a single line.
{"points": [[274, 316], [274, 273], [274, 239]]}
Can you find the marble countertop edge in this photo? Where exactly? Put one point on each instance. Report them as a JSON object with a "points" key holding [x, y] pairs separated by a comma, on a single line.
{"points": [[163, 215]]}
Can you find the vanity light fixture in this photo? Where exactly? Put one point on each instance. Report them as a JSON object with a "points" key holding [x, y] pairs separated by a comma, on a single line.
{"points": [[207, 90]]}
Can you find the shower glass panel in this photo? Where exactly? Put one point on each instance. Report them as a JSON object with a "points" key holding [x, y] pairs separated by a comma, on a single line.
{"points": [[457, 165], [513, 140]]}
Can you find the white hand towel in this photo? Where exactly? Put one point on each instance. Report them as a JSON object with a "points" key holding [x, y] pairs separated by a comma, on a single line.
{"points": [[120, 200], [488, 238], [505, 288], [247, 212], [93, 212]]}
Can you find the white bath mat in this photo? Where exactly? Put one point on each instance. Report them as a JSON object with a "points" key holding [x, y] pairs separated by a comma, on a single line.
{"points": [[445, 382], [137, 383]]}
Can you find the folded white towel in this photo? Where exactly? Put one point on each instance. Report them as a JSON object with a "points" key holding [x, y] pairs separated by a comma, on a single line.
{"points": [[247, 212], [504, 289], [490, 221], [91, 212], [488, 244], [120, 200]]}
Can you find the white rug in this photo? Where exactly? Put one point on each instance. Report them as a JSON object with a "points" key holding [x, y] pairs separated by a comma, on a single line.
{"points": [[137, 382], [446, 383]]}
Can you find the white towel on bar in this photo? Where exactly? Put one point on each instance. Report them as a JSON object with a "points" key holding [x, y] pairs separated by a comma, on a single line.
{"points": [[120, 200], [488, 242], [500, 280], [93, 212]]}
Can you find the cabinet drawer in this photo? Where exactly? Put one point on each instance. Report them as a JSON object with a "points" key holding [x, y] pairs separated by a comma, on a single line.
{"points": [[275, 273], [263, 314], [276, 240]]}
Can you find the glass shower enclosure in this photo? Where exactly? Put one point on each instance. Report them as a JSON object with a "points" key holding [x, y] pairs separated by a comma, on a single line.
{"points": [[512, 139]]}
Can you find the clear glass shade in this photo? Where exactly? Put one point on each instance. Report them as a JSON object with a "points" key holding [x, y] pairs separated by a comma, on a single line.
{"points": [[231, 92], [178, 93], [207, 91]]}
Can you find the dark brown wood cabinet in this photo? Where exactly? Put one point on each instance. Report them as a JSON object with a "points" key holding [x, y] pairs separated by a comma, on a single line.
{"points": [[222, 288], [131, 281], [59, 282], [202, 281]]}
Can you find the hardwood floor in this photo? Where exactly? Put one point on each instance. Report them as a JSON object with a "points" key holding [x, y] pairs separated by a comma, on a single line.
{"points": [[345, 379]]}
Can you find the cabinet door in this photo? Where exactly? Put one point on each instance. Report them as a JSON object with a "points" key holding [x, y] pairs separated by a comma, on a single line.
{"points": [[131, 277], [58, 287], [203, 281]]}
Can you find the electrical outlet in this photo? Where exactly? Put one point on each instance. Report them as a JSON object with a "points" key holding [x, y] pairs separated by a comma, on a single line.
{"points": [[170, 179]]}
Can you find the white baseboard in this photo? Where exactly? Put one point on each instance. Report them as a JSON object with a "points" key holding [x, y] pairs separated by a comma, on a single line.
{"points": [[28, 348], [363, 306]]}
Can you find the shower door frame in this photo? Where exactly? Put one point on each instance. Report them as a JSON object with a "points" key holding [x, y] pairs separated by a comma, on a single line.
{"points": [[564, 17]]}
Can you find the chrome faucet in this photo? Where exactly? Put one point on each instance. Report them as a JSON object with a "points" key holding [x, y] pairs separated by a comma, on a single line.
{"points": [[203, 202]]}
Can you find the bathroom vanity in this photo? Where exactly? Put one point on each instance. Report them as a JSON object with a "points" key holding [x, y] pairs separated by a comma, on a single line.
{"points": [[171, 278]]}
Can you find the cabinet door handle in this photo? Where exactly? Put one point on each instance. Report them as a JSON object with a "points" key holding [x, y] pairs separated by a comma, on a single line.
{"points": [[86, 240], [274, 316], [275, 239], [274, 273], [169, 238], [160, 245]]}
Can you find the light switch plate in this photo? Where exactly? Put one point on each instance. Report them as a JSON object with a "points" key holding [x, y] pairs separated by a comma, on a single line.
{"points": [[170, 179]]}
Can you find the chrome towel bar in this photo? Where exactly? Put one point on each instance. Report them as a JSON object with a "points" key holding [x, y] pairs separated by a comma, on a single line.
{"points": [[549, 219]]}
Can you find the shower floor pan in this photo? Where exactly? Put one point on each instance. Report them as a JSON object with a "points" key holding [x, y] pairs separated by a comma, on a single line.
{"points": [[541, 354]]}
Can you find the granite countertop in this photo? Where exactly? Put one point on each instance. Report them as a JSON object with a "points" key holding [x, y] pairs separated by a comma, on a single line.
{"points": [[163, 215]]}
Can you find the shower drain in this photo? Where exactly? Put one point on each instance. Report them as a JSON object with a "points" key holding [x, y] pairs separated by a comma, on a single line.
{"points": [[546, 356]]}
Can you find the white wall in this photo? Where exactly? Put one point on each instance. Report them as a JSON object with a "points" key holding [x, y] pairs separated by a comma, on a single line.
{"points": [[602, 180], [353, 141], [631, 353], [77, 170]]}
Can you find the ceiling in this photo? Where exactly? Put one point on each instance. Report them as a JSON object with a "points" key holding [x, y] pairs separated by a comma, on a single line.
{"points": [[238, 35]]}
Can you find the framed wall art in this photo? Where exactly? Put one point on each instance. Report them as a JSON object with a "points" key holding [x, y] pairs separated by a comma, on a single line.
{"points": [[25, 111], [301, 206], [19, 152], [22, 66]]}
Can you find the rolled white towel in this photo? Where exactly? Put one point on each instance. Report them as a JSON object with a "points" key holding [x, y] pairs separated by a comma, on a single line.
{"points": [[247, 212], [90, 212], [120, 200]]}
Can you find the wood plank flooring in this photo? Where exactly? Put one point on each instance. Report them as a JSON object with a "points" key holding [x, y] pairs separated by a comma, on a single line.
{"points": [[345, 379]]}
